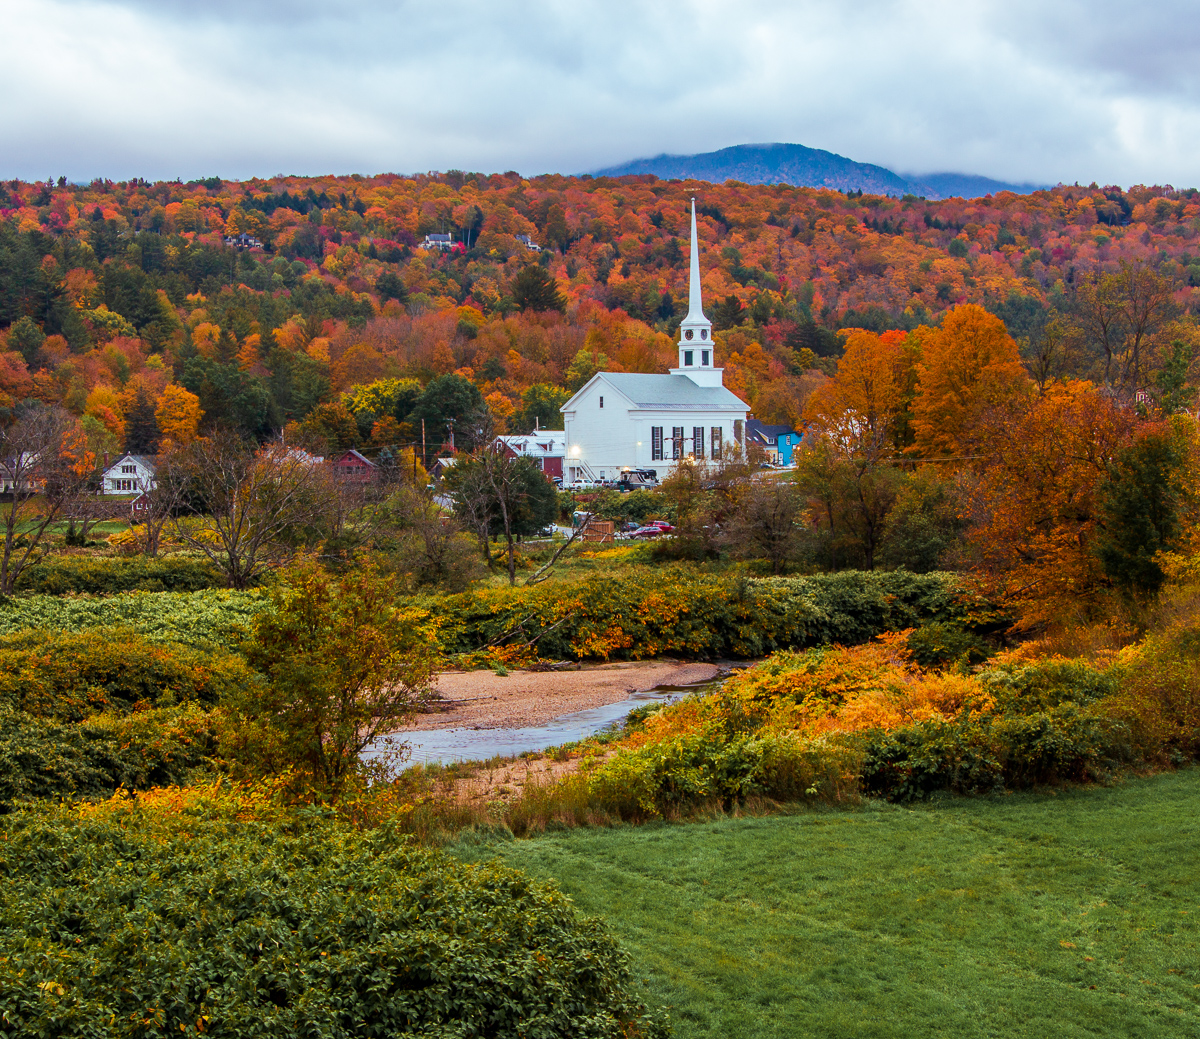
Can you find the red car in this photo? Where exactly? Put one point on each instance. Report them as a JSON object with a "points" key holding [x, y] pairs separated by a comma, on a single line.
{"points": [[649, 531], [662, 525]]}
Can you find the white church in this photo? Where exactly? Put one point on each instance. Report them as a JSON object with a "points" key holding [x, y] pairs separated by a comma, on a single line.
{"points": [[621, 420]]}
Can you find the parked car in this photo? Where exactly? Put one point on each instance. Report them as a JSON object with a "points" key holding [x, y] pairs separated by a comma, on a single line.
{"points": [[650, 531], [662, 525]]}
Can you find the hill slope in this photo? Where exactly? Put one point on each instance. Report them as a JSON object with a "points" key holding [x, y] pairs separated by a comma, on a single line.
{"points": [[809, 167]]}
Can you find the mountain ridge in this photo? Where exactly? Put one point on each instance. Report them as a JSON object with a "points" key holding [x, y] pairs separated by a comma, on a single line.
{"points": [[799, 165]]}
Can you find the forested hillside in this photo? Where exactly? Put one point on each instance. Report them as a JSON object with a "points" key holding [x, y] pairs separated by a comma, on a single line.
{"points": [[112, 292]]}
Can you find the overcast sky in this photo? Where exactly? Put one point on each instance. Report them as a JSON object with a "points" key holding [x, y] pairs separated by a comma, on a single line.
{"points": [[1042, 90]]}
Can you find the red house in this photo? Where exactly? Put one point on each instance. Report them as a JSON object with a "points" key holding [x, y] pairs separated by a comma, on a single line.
{"points": [[354, 467], [547, 447]]}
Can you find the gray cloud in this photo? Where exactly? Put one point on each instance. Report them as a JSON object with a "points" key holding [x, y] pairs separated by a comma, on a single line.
{"points": [[1017, 90]]}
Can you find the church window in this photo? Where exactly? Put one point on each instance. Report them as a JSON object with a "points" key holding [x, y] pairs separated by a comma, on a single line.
{"points": [[716, 442], [698, 441], [737, 430], [677, 442], [704, 333], [704, 358], [687, 358], [656, 443], [601, 402]]}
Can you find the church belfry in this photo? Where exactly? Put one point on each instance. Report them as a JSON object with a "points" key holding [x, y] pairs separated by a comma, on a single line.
{"points": [[696, 359]]}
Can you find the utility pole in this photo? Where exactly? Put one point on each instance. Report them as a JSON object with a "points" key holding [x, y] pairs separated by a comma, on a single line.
{"points": [[424, 455]]}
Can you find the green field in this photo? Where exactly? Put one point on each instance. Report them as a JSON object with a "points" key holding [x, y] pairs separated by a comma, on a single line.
{"points": [[1068, 914]]}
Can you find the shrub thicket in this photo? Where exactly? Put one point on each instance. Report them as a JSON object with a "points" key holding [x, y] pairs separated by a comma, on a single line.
{"points": [[115, 924], [989, 754], [101, 575], [648, 611], [41, 758], [70, 675], [202, 619]]}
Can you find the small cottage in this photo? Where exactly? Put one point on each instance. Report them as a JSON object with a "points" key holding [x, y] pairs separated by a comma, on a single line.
{"points": [[777, 442]]}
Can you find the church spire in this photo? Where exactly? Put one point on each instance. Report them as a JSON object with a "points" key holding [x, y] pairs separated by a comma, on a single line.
{"points": [[695, 303], [695, 332]]}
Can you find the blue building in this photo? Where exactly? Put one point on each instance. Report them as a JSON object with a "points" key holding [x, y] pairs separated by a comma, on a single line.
{"points": [[778, 442]]}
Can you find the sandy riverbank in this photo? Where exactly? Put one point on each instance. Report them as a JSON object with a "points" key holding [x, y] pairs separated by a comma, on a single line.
{"points": [[525, 698]]}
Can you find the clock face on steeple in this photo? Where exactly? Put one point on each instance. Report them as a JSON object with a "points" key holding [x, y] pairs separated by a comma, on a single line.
{"points": [[688, 333]]}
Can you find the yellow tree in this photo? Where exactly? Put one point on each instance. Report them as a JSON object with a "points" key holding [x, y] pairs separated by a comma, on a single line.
{"points": [[968, 367], [178, 416], [104, 405]]}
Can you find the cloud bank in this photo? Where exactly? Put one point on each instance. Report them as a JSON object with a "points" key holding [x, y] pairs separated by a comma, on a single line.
{"points": [[1018, 91]]}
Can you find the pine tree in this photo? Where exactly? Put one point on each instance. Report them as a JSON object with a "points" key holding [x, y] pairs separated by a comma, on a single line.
{"points": [[535, 289], [1139, 508], [141, 427]]}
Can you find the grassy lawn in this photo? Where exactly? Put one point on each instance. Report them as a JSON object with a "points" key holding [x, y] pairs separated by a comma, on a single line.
{"points": [[1075, 914]]}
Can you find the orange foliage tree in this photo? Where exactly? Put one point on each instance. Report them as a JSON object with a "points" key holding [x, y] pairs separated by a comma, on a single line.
{"points": [[1034, 495], [968, 366], [178, 416]]}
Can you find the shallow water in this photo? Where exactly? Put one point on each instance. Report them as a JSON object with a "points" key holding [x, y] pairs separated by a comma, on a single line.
{"points": [[472, 744]]}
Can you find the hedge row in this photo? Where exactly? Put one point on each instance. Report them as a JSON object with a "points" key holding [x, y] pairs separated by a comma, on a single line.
{"points": [[41, 758], [204, 619], [101, 575], [122, 927], [650, 611], [69, 675]]}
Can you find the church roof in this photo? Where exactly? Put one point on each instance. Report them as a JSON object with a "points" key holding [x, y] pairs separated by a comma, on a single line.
{"points": [[671, 391]]}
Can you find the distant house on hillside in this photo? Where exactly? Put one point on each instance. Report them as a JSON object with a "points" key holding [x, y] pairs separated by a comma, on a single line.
{"points": [[528, 242], [547, 447], [437, 241], [242, 241], [354, 467], [778, 442], [129, 474]]}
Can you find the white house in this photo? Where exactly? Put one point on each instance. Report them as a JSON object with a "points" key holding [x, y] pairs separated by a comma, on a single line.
{"points": [[621, 420], [547, 447], [437, 241], [129, 474]]}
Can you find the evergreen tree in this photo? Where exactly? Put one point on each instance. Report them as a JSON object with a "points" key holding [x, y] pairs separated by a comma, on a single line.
{"points": [[141, 427], [1139, 514], [389, 286], [535, 289]]}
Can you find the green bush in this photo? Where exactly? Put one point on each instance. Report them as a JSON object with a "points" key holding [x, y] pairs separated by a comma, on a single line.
{"points": [[236, 930], [202, 619], [694, 770], [39, 758], [70, 675], [100, 575], [1045, 684], [987, 754], [938, 643], [649, 611]]}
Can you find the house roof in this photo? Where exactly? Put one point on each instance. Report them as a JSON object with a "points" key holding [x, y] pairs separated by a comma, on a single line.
{"points": [[545, 443], [145, 461], [352, 456], [754, 426], [665, 392]]}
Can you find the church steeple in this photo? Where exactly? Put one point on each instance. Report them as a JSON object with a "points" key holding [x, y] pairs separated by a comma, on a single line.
{"points": [[695, 333], [696, 357]]}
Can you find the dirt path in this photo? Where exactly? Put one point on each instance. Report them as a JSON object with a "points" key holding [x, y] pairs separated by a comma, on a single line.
{"points": [[525, 698]]}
